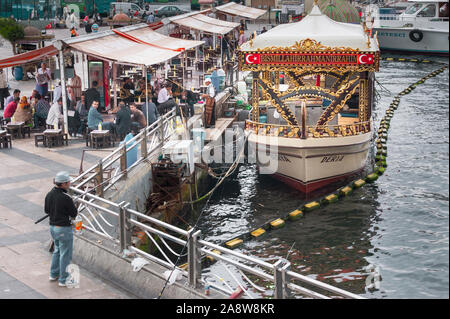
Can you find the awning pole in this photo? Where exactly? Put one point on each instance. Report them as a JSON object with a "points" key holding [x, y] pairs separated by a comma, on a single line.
{"points": [[146, 92], [114, 70], [63, 87]]}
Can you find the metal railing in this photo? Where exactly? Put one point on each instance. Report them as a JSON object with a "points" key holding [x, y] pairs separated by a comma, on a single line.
{"points": [[116, 222], [147, 141], [119, 222]]}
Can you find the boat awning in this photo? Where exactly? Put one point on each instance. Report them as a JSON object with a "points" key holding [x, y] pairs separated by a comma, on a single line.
{"points": [[204, 23], [30, 56], [316, 26], [135, 45], [235, 9]]}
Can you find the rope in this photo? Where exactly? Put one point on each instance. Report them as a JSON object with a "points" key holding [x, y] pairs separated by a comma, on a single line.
{"points": [[201, 214], [377, 170]]}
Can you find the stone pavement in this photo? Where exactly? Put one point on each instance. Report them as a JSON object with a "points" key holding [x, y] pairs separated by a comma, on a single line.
{"points": [[26, 175]]}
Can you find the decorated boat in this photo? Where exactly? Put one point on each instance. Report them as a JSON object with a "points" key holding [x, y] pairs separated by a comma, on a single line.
{"points": [[421, 28], [312, 97]]}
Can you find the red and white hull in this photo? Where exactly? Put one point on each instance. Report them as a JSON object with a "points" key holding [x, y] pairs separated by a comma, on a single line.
{"points": [[310, 164]]}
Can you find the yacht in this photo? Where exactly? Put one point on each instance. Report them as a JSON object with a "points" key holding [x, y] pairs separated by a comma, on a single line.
{"points": [[421, 28]]}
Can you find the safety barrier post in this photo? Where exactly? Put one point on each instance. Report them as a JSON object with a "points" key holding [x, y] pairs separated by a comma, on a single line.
{"points": [[281, 278], [194, 258], [124, 227], [123, 160], [99, 179], [144, 147]]}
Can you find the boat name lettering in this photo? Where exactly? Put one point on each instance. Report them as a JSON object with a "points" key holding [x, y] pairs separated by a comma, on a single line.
{"points": [[283, 158], [390, 34], [308, 58], [332, 158]]}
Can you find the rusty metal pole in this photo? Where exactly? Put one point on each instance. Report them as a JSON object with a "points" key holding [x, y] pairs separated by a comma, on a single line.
{"points": [[99, 179]]}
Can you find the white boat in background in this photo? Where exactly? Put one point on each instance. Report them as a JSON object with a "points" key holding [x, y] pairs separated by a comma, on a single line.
{"points": [[421, 28]]}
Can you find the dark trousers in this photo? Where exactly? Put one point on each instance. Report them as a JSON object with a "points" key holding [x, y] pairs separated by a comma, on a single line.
{"points": [[4, 93], [165, 107]]}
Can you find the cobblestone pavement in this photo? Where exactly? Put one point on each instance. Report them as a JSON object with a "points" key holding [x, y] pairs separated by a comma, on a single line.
{"points": [[26, 176]]}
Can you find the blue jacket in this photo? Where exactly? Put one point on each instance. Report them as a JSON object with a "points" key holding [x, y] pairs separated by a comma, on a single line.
{"points": [[94, 117], [153, 114]]}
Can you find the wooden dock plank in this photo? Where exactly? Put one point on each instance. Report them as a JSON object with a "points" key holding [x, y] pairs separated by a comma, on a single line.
{"points": [[214, 133]]}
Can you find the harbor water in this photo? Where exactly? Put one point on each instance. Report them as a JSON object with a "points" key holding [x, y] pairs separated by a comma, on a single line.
{"points": [[398, 226]]}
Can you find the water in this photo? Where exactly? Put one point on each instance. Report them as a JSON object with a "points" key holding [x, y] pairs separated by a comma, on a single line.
{"points": [[399, 224]]}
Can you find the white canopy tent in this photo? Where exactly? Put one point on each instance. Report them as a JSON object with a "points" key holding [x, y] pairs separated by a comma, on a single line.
{"points": [[135, 45], [235, 9]]}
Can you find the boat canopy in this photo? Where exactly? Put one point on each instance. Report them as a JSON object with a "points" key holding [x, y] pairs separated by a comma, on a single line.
{"points": [[316, 26], [315, 41], [135, 45]]}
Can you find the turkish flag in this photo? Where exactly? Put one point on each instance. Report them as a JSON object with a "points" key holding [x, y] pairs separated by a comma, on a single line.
{"points": [[252, 58], [48, 26], [136, 13], [365, 58]]}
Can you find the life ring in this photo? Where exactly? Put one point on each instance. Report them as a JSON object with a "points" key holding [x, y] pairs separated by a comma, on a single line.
{"points": [[416, 35]]}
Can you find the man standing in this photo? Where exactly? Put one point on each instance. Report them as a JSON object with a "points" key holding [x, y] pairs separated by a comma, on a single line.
{"points": [[4, 91], [75, 85], [92, 94], [42, 77], [151, 18], [210, 103], [60, 208]]}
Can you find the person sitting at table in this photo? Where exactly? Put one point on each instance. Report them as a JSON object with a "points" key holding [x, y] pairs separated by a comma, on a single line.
{"points": [[54, 114], [127, 91], [138, 120], [23, 112], [10, 98], [10, 109], [73, 120], [123, 120], [165, 101], [140, 88], [94, 118], [41, 110]]}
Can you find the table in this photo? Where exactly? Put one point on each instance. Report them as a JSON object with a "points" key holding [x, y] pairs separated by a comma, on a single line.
{"points": [[52, 137], [101, 138], [16, 129]]}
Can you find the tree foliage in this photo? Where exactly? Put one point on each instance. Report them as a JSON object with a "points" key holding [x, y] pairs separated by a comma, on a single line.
{"points": [[11, 30]]}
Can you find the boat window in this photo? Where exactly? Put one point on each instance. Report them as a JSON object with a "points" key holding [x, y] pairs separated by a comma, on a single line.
{"points": [[429, 11], [414, 8], [443, 9]]}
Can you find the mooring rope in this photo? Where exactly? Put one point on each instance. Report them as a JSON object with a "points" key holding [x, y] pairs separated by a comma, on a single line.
{"points": [[378, 169]]}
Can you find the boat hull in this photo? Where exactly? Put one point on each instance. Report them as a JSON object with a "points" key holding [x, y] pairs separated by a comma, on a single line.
{"points": [[308, 165], [398, 39]]}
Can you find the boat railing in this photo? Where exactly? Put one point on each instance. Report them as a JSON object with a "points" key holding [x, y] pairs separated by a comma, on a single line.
{"points": [[316, 131], [117, 223]]}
